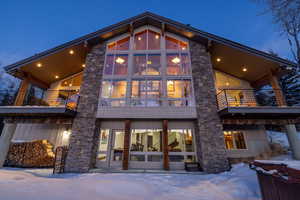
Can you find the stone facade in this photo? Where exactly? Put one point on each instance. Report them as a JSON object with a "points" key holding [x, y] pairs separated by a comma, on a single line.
{"points": [[209, 136], [85, 129]]}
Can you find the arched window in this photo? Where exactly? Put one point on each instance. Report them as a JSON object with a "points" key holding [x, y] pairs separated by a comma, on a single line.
{"points": [[147, 40]]}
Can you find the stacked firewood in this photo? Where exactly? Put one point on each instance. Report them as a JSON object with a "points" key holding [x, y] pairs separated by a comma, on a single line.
{"points": [[30, 154]]}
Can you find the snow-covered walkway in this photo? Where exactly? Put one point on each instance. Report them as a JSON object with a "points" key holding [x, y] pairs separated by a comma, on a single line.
{"points": [[238, 184]]}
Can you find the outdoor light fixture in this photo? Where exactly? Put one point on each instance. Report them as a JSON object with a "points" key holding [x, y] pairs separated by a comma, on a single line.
{"points": [[157, 37], [244, 69], [39, 64], [56, 77], [71, 52], [227, 83], [83, 65], [176, 60], [120, 60], [218, 59]]}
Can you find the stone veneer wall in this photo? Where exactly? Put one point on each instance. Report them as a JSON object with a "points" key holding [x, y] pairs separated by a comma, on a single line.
{"points": [[209, 136], [83, 141]]}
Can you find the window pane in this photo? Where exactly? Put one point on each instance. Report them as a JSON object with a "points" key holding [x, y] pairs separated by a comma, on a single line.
{"points": [[118, 145], [154, 140], [185, 64], [137, 157], [182, 45], [190, 158], [108, 69], [239, 140], [106, 88], [188, 140], [153, 64], [123, 44], [121, 62], [175, 140], [173, 64], [118, 89], [138, 140], [104, 134], [66, 83], [176, 158], [139, 64], [139, 89], [153, 40], [111, 46], [140, 41], [171, 43], [228, 139], [178, 89], [153, 89], [155, 158]]}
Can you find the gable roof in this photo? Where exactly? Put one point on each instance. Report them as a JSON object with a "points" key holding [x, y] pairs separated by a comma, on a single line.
{"points": [[144, 18]]}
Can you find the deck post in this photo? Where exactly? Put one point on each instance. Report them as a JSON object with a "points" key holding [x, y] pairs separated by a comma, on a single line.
{"points": [[21, 92], [165, 146], [126, 145], [280, 99], [5, 138]]}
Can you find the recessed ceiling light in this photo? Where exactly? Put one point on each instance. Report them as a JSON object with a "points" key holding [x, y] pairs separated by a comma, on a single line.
{"points": [[39, 64], [56, 77], [139, 38], [120, 60], [83, 65], [176, 60], [183, 48], [157, 37], [227, 83], [244, 69], [218, 59], [71, 52]]}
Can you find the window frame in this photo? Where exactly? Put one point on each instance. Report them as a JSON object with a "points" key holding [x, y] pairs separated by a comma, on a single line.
{"points": [[162, 76], [234, 142]]}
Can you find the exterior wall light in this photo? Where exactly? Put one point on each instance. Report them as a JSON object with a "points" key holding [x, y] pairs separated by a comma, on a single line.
{"points": [[39, 64], [244, 69], [71, 52], [218, 59]]}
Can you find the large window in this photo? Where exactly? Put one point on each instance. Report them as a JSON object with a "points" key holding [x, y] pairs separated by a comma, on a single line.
{"points": [[146, 145], [155, 69], [181, 145], [113, 93], [146, 93], [234, 140]]}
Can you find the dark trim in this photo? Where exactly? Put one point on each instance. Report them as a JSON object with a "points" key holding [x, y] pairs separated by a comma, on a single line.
{"points": [[145, 16]]}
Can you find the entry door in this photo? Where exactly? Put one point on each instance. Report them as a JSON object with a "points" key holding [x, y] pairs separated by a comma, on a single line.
{"points": [[116, 149], [103, 157]]}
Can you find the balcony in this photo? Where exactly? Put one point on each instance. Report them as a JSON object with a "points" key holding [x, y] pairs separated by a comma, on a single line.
{"points": [[250, 103], [39, 103]]}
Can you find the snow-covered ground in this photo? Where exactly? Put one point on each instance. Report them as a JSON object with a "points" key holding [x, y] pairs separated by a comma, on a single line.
{"points": [[238, 184], [278, 137]]}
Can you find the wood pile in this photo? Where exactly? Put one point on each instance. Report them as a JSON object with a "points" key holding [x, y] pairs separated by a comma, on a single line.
{"points": [[30, 154]]}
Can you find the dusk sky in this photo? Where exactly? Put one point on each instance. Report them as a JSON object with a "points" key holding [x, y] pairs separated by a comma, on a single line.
{"points": [[29, 27]]}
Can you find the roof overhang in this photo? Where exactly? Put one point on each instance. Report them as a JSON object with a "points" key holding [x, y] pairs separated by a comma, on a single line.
{"points": [[61, 64]]}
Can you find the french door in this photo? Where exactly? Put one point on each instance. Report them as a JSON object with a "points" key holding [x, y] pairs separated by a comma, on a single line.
{"points": [[111, 147]]}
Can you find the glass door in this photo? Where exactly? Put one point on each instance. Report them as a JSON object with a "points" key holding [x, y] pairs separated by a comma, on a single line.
{"points": [[104, 149], [117, 148]]}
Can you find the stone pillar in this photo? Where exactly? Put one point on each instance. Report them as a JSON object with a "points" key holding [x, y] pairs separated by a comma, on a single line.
{"points": [[125, 162], [209, 136], [165, 145], [85, 128], [5, 138], [294, 140], [22, 92]]}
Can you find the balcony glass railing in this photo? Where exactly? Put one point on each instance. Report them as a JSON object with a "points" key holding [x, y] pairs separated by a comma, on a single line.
{"points": [[53, 98], [246, 98]]}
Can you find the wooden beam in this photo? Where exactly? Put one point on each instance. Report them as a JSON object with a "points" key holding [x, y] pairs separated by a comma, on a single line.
{"points": [[131, 29], [22, 92], [280, 99], [126, 145], [165, 146], [163, 29]]}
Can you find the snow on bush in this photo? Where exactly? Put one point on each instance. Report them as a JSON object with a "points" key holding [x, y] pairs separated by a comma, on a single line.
{"points": [[238, 184]]}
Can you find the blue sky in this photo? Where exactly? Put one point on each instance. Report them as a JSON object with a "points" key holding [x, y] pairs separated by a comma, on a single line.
{"points": [[31, 26]]}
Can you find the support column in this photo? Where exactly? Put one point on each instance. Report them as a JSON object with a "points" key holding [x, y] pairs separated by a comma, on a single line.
{"points": [[165, 146], [294, 141], [22, 92], [85, 128], [126, 145], [209, 137], [280, 99], [5, 138]]}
